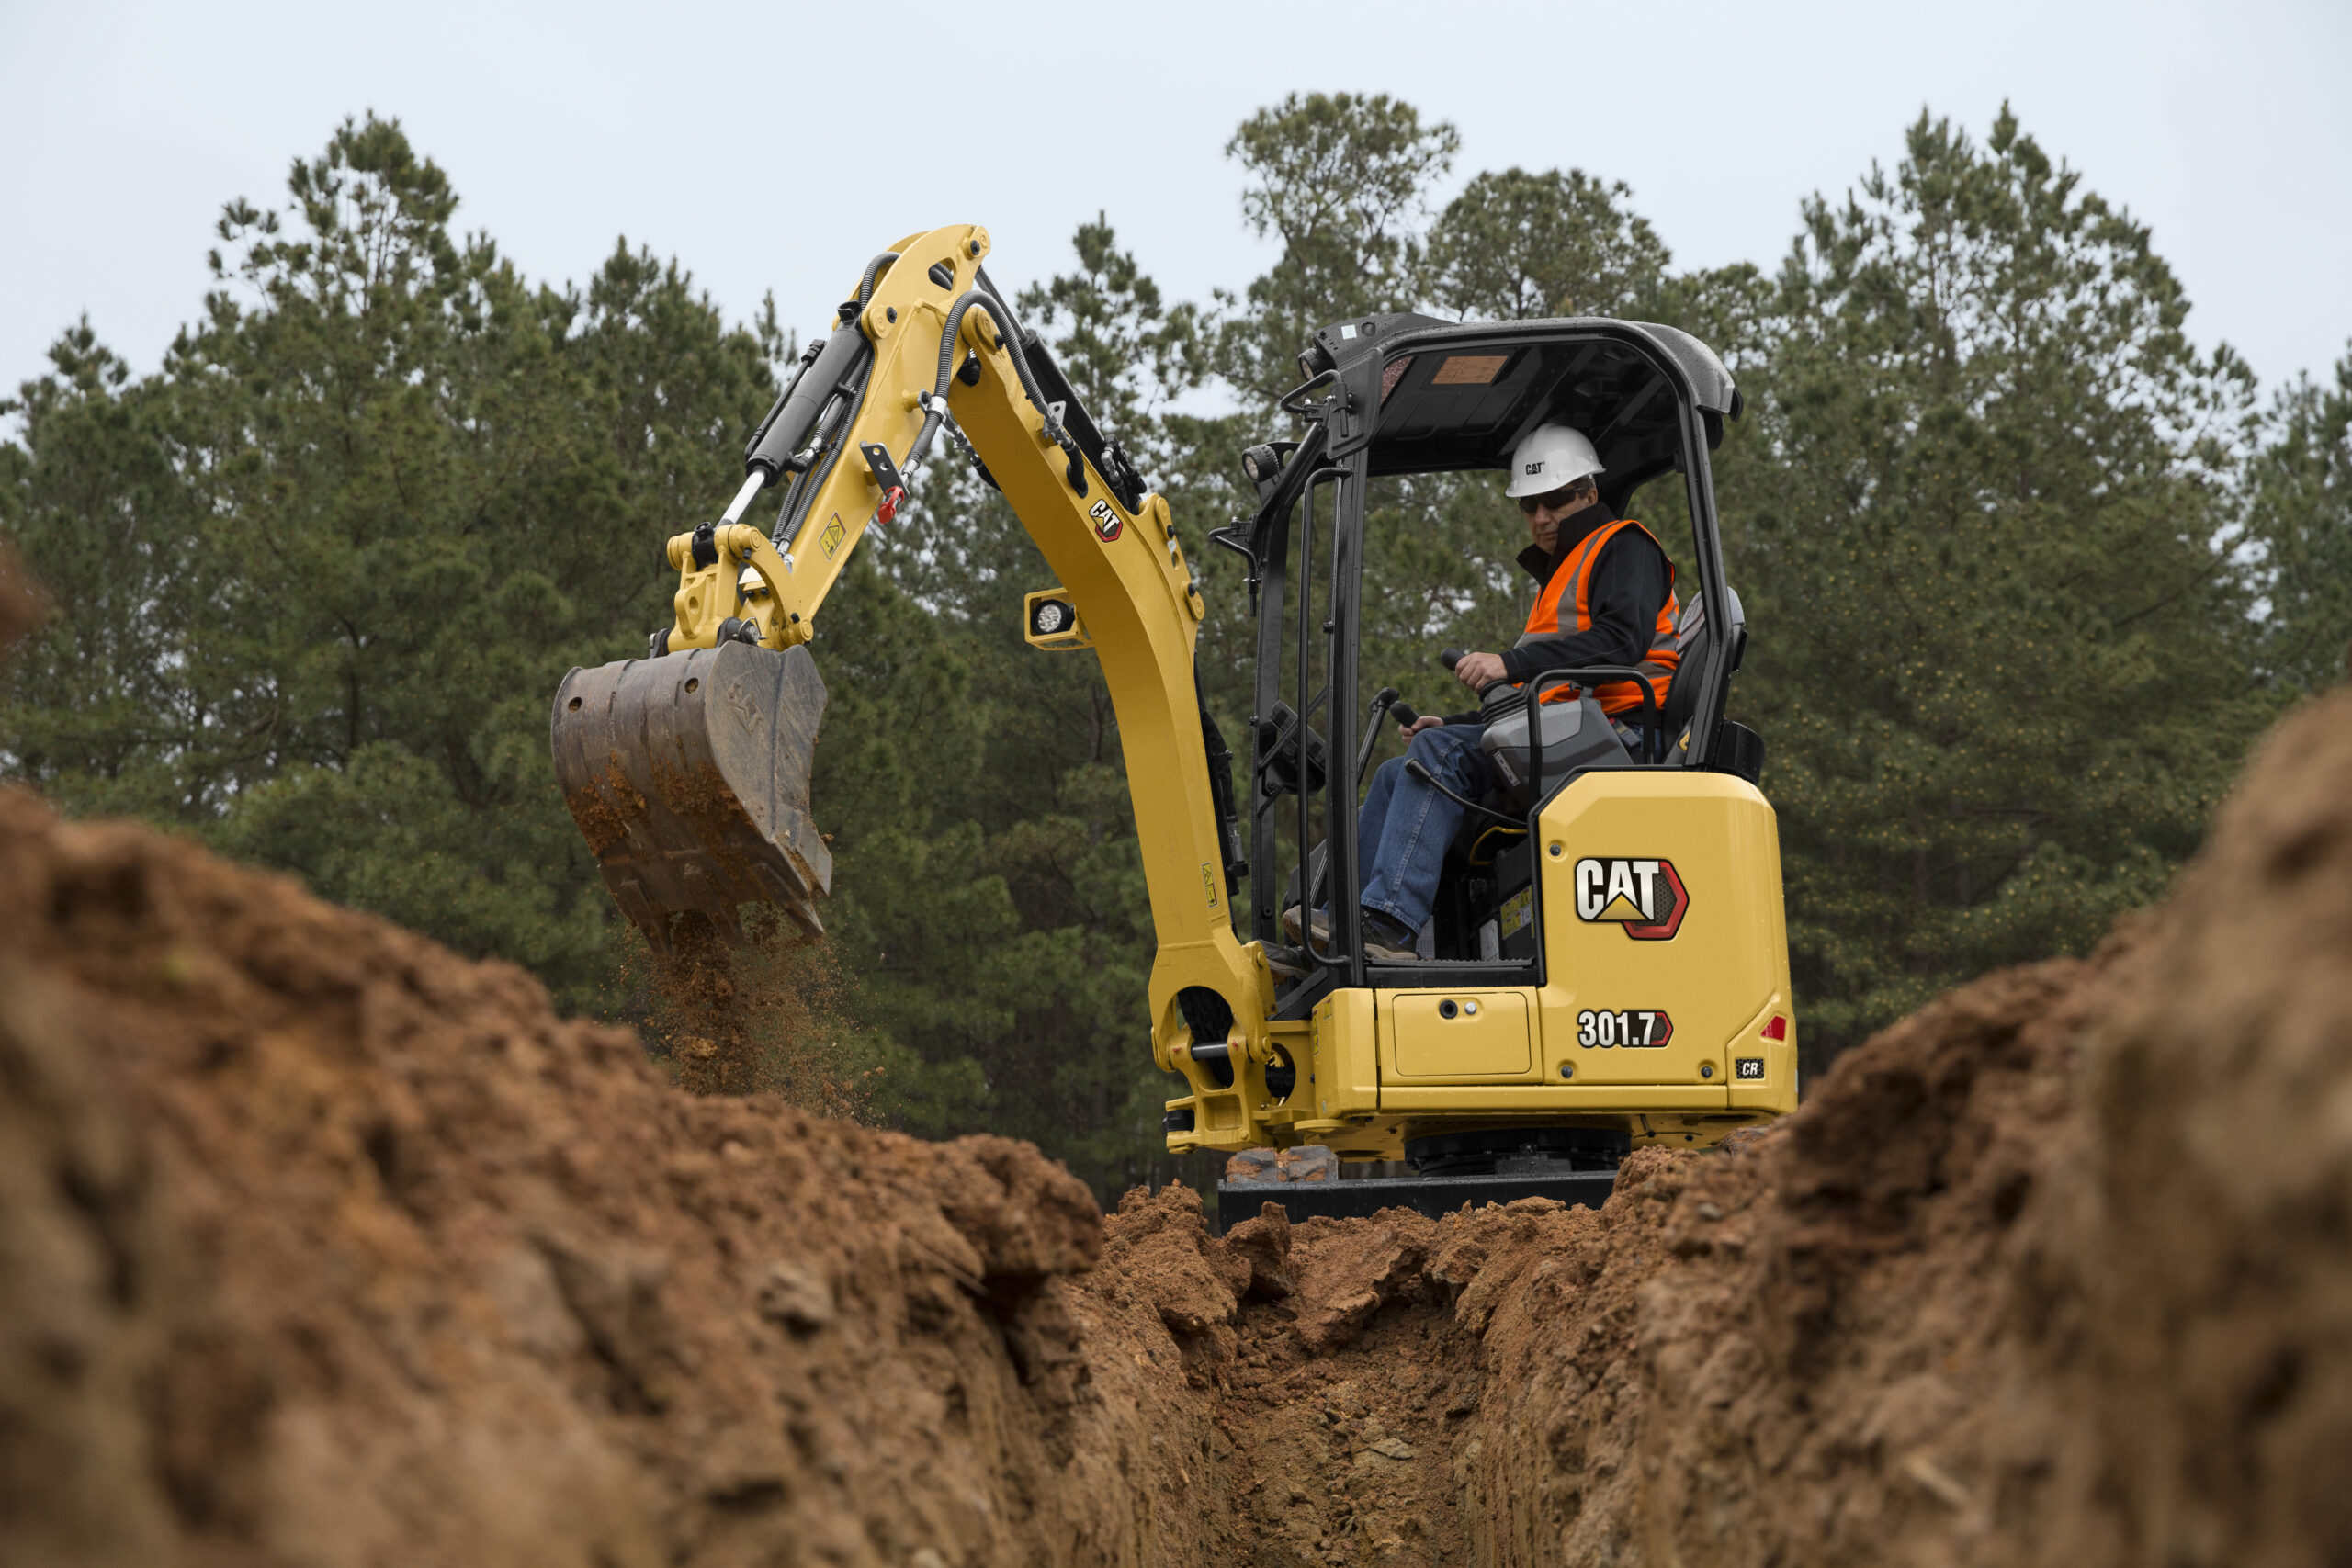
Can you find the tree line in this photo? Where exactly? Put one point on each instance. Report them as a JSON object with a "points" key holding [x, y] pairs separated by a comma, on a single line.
{"points": [[2027, 571]]}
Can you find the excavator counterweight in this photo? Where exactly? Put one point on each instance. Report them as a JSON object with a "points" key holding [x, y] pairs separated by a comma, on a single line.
{"points": [[689, 776]]}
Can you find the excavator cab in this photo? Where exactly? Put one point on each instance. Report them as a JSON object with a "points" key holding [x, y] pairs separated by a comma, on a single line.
{"points": [[1606, 964]]}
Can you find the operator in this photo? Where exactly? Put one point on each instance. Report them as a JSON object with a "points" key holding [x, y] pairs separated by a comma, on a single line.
{"points": [[1608, 598]]}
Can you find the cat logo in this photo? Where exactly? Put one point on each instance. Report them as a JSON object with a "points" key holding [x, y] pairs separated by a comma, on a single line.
{"points": [[1106, 521], [1645, 897]]}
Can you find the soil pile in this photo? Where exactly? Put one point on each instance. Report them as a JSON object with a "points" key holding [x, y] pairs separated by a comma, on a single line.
{"points": [[2060, 1270], [762, 1015], [318, 1245]]}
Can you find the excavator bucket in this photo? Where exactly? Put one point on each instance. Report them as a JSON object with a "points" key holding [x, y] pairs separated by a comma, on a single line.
{"points": [[689, 776]]}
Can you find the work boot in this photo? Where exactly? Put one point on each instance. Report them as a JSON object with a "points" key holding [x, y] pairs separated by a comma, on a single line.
{"points": [[1288, 964], [1293, 925], [1385, 939]]}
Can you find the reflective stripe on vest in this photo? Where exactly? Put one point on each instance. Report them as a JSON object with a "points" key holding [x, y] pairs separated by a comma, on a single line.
{"points": [[1565, 608]]}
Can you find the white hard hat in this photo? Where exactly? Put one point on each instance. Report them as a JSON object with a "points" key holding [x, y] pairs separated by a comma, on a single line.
{"points": [[1551, 456]]}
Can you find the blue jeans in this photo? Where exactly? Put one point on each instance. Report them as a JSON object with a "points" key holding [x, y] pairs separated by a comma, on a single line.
{"points": [[1405, 826]]}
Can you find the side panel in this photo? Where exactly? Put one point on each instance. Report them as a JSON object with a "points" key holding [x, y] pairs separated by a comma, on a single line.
{"points": [[1452, 1036], [1663, 923]]}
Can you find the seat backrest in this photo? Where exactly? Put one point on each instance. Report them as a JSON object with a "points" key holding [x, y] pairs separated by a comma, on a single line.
{"points": [[1694, 639]]}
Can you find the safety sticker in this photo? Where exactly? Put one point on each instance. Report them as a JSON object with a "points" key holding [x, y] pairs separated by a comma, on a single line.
{"points": [[1107, 523], [1749, 1067], [1208, 880], [1518, 910], [832, 535], [1635, 1028], [1645, 897]]}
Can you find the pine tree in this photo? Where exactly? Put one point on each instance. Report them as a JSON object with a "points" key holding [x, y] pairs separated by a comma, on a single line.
{"points": [[1514, 245], [1982, 529], [2300, 514], [1340, 182], [320, 574]]}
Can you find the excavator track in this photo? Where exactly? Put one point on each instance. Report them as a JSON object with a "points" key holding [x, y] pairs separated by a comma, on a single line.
{"points": [[688, 774]]}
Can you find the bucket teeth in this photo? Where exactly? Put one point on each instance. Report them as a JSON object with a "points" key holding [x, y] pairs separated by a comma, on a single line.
{"points": [[688, 774]]}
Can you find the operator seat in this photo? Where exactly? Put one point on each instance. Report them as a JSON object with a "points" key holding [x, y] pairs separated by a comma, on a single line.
{"points": [[1694, 639]]}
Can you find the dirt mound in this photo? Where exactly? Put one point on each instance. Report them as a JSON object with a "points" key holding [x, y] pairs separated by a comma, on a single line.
{"points": [[320, 1245], [2059, 1270]]}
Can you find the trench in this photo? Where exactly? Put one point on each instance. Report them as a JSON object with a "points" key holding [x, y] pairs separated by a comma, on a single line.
{"points": [[321, 1245]]}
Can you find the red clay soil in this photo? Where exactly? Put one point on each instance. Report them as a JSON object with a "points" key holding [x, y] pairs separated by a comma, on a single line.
{"points": [[2060, 1270], [320, 1245]]}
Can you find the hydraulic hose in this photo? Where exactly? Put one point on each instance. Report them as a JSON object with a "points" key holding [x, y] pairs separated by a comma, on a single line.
{"points": [[874, 270], [935, 410]]}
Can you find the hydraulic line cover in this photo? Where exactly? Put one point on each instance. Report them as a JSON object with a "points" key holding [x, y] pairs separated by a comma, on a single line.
{"points": [[689, 773]]}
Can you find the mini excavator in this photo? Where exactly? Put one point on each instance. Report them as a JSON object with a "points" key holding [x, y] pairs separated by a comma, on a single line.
{"points": [[1608, 963]]}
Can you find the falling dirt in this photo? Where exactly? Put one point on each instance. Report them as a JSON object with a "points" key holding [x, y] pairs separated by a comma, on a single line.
{"points": [[319, 1244], [767, 1014]]}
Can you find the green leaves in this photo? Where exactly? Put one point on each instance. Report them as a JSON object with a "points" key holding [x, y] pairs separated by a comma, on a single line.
{"points": [[320, 575], [1988, 565], [1515, 245], [1341, 181], [2024, 568], [1126, 353], [2299, 504]]}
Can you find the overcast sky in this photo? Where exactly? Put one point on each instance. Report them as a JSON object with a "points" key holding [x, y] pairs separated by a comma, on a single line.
{"points": [[777, 145]]}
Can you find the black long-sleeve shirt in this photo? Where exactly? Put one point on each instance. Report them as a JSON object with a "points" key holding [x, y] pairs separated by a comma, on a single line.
{"points": [[1630, 580]]}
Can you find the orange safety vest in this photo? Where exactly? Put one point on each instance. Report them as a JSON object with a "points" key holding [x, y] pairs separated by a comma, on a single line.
{"points": [[1565, 608]]}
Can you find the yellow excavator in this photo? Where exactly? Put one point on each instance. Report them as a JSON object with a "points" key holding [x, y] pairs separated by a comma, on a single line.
{"points": [[1607, 963]]}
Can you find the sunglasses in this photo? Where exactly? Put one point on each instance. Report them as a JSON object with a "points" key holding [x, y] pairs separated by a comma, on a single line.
{"points": [[1554, 498]]}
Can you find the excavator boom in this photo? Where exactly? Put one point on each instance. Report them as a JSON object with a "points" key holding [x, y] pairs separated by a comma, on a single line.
{"points": [[687, 771]]}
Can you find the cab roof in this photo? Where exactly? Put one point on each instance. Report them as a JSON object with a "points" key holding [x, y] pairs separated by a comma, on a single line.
{"points": [[1445, 396]]}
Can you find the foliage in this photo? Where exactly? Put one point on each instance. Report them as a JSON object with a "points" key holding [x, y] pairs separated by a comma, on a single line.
{"points": [[2024, 571], [2299, 517], [1340, 182], [1987, 553], [1558, 243], [321, 570]]}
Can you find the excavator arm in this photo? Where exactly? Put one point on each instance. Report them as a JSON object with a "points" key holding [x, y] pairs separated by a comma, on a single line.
{"points": [[687, 771]]}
